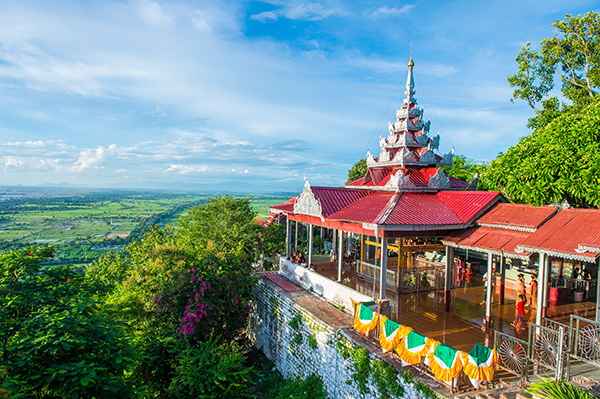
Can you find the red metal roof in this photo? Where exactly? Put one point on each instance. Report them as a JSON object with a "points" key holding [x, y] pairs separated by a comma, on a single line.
{"points": [[517, 216], [332, 199], [488, 239], [357, 182], [468, 204], [442, 208], [420, 209], [365, 210], [287, 206], [565, 232]]}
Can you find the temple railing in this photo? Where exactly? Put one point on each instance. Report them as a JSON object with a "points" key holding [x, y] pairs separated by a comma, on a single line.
{"points": [[409, 279], [370, 272]]}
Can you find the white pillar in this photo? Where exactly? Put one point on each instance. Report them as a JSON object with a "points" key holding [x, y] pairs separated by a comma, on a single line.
{"points": [[288, 238], [383, 263], [310, 244], [296, 238], [488, 291], [598, 291], [448, 276], [543, 284], [340, 254], [547, 262]]}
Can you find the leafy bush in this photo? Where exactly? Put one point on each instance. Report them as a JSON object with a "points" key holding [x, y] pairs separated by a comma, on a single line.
{"points": [[550, 389], [54, 341]]}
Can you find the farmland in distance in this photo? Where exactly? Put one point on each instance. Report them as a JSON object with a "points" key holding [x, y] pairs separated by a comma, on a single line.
{"points": [[85, 224]]}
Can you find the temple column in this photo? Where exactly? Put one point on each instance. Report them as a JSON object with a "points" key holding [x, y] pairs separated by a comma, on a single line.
{"points": [[296, 238], [540, 295], [488, 291], [334, 235], [288, 238], [363, 248], [340, 255], [598, 292], [383, 279], [502, 278], [447, 277], [547, 264], [310, 245]]}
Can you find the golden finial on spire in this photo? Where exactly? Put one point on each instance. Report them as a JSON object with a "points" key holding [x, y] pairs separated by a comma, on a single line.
{"points": [[411, 64]]}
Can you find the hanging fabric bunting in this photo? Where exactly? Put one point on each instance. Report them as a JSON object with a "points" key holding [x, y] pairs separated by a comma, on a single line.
{"points": [[445, 362], [365, 318], [413, 347], [390, 333], [480, 363]]}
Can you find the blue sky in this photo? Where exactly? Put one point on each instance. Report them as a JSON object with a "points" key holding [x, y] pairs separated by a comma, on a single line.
{"points": [[258, 94]]}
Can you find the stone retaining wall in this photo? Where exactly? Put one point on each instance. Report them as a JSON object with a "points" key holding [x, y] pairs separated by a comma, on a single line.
{"points": [[300, 343]]}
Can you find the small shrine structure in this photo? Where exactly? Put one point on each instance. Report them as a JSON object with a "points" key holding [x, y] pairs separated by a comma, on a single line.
{"points": [[404, 194]]}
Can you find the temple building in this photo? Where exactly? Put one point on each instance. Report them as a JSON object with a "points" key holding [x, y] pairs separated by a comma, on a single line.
{"points": [[404, 203], [391, 236]]}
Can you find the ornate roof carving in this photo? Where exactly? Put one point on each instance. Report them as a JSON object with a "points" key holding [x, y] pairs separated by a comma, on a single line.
{"points": [[428, 157], [398, 180], [447, 159], [307, 203], [439, 180]]}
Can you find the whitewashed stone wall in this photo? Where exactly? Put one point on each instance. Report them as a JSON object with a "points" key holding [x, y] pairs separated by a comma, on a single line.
{"points": [[330, 290], [272, 327]]}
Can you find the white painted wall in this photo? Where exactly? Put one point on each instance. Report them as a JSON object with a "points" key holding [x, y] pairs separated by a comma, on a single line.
{"points": [[332, 291]]}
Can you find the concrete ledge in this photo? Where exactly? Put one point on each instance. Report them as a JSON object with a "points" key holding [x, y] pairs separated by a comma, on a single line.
{"points": [[332, 291]]}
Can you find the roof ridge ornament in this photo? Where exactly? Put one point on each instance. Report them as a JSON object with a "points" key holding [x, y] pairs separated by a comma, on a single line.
{"points": [[410, 84], [307, 203], [439, 180]]}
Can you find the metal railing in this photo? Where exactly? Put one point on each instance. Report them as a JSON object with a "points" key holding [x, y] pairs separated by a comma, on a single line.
{"points": [[513, 354], [369, 271], [585, 340], [414, 279], [549, 348]]}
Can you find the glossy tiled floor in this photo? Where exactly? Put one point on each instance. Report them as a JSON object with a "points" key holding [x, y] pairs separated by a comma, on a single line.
{"points": [[462, 326]]}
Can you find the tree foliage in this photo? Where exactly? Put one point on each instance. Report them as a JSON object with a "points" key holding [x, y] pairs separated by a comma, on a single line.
{"points": [[54, 341], [574, 54], [463, 168], [558, 162], [164, 320], [182, 287], [358, 170]]}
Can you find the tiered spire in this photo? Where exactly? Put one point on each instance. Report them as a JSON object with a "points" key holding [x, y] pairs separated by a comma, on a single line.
{"points": [[408, 148]]}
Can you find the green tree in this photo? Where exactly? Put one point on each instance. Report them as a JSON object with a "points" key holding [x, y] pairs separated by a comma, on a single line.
{"points": [[574, 54], [358, 170], [555, 163], [54, 341], [180, 287], [463, 168]]}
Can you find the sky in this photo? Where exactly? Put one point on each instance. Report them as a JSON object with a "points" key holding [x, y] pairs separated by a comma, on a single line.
{"points": [[250, 95]]}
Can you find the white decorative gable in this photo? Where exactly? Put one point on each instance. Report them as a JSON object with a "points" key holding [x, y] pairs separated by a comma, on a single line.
{"points": [[439, 180], [307, 203], [399, 180], [370, 159], [428, 157], [447, 159]]}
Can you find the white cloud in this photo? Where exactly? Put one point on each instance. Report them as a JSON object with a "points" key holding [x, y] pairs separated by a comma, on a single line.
{"points": [[187, 169], [266, 16], [10, 161], [152, 13], [95, 158], [386, 11], [301, 11]]}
